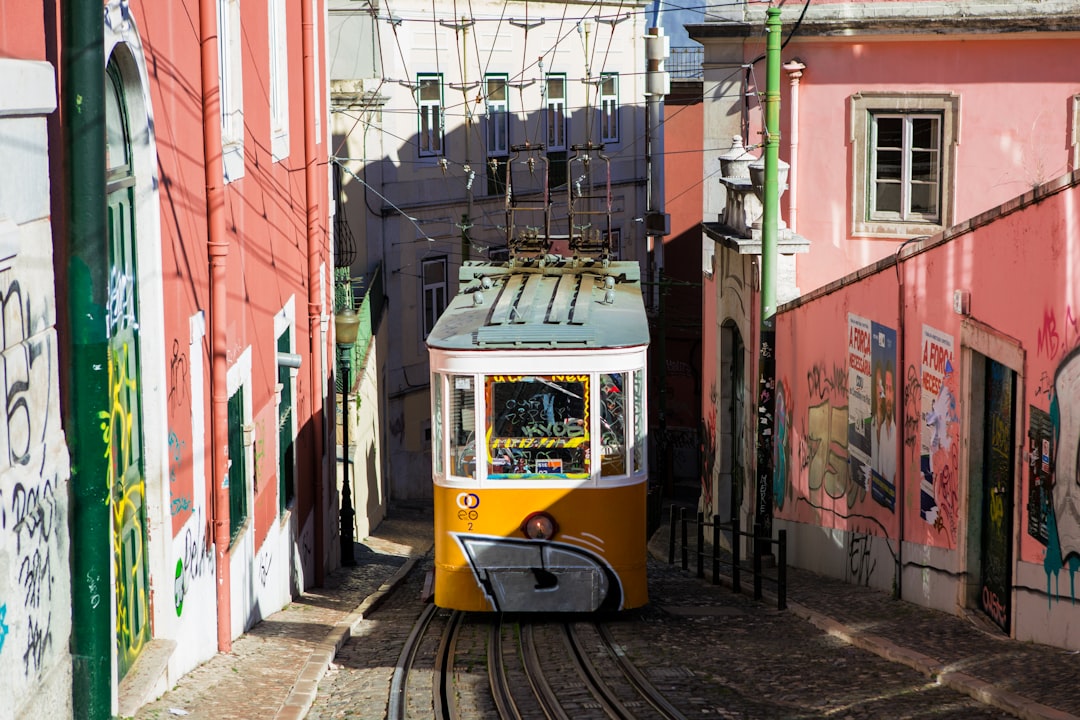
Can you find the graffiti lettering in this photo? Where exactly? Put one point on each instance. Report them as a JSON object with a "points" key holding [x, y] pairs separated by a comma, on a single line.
{"points": [[827, 436], [567, 428], [824, 385], [120, 310], [194, 561], [993, 606], [3, 625], [860, 562], [1053, 343], [38, 640], [178, 375], [265, 561], [912, 410]]}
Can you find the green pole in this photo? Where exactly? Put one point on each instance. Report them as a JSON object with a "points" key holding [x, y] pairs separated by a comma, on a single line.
{"points": [[87, 369], [767, 346]]}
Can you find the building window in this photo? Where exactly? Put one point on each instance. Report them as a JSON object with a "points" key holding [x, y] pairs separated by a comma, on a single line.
{"points": [[609, 108], [434, 279], [232, 97], [903, 160], [429, 101], [498, 133], [279, 81], [905, 168], [555, 125]]}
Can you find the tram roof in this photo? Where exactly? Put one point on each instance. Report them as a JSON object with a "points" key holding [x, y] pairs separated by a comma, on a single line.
{"points": [[542, 303]]}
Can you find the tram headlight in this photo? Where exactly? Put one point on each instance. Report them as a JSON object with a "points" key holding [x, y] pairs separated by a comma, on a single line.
{"points": [[539, 526]]}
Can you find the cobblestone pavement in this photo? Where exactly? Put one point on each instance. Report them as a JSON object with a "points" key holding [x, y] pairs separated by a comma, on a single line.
{"points": [[839, 651]]}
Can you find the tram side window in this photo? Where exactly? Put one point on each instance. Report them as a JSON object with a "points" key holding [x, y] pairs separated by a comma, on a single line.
{"points": [[462, 426], [613, 424], [538, 426], [437, 421], [639, 420]]}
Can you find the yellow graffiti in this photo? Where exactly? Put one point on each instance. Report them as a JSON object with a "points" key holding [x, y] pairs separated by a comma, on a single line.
{"points": [[827, 438], [127, 493]]}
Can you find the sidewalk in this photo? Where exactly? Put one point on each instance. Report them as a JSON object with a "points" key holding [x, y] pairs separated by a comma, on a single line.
{"points": [[274, 670], [1034, 682]]}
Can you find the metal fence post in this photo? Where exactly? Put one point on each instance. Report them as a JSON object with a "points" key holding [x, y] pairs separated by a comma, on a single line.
{"points": [[781, 573], [671, 536], [757, 564], [701, 544], [715, 549], [685, 549], [736, 553]]}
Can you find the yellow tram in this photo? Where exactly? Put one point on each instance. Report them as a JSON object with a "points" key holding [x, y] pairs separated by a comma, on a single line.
{"points": [[539, 437]]}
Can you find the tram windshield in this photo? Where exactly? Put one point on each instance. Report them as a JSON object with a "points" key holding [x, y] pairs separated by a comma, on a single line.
{"points": [[538, 426]]}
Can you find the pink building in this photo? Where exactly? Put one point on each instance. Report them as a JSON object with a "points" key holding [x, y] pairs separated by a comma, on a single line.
{"points": [[168, 284], [923, 353]]}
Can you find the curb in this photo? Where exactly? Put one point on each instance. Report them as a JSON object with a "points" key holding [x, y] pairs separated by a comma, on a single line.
{"points": [[306, 688]]}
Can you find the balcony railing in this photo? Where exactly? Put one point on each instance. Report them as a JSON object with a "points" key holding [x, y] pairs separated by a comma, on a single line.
{"points": [[684, 63], [364, 293]]}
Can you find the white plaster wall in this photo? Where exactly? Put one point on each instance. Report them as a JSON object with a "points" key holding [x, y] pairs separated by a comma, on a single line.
{"points": [[35, 470]]}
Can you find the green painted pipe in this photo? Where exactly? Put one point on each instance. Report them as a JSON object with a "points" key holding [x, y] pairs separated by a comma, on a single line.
{"points": [[82, 111]]}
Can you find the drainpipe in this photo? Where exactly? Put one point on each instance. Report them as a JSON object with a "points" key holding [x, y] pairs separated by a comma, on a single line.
{"points": [[314, 302], [82, 118], [795, 70], [217, 246]]}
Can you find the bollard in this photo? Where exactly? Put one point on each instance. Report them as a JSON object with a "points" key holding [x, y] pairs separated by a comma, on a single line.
{"points": [[715, 549], [781, 573], [757, 564], [700, 545], [685, 549], [671, 536], [736, 554]]}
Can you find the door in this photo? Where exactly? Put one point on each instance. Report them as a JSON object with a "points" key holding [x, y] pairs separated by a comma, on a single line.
{"points": [[997, 512], [123, 418]]}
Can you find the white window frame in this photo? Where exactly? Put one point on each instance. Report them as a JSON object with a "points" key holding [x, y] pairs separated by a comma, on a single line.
{"points": [[230, 63], [555, 121], [861, 137], [429, 129], [498, 116], [906, 183], [435, 293], [615, 246], [279, 80], [609, 107]]}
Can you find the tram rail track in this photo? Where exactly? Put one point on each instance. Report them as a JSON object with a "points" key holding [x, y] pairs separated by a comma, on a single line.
{"points": [[535, 668]]}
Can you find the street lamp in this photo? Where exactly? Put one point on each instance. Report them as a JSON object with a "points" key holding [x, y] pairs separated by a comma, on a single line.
{"points": [[346, 324]]}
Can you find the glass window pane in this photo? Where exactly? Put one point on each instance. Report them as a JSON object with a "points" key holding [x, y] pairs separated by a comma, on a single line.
{"points": [[924, 165], [924, 133], [613, 424], [462, 428], [924, 198], [538, 426], [890, 132], [496, 89], [639, 421], [437, 422], [888, 165], [429, 89], [556, 88], [888, 197]]}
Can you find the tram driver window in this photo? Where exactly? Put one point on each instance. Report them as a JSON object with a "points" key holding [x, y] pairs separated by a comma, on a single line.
{"points": [[462, 426], [538, 426]]}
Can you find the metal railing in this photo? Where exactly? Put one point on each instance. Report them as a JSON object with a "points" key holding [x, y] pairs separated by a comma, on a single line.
{"points": [[684, 63], [364, 293], [681, 518]]}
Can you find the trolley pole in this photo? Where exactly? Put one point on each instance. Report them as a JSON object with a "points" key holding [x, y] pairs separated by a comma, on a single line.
{"points": [[767, 342]]}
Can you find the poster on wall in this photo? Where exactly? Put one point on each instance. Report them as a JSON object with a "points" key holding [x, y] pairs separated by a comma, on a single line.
{"points": [[937, 409], [859, 417], [883, 433], [1040, 473]]}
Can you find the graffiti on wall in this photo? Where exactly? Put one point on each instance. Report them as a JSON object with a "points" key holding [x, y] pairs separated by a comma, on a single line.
{"points": [[194, 558], [938, 461], [1063, 525], [32, 523], [1054, 339], [180, 503], [782, 465]]}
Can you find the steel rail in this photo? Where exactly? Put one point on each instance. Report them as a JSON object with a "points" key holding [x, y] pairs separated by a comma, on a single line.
{"points": [[442, 687], [497, 678], [395, 709], [645, 688], [549, 701]]}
